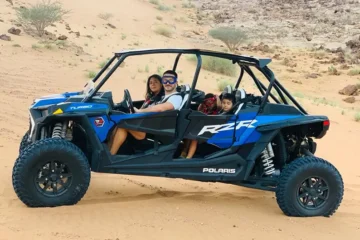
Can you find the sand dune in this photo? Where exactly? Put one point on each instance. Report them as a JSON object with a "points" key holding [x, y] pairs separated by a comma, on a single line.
{"points": [[134, 207]]}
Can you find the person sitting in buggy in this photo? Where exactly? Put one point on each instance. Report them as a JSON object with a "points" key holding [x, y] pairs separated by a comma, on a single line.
{"points": [[154, 91], [210, 106], [170, 101], [227, 103]]}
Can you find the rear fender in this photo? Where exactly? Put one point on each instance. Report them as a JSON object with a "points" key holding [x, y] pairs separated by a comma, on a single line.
{"points": [[256, 149], [313, 126]]}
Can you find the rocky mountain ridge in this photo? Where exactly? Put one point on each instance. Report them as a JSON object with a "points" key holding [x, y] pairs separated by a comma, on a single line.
{"points": [[330, 23]]}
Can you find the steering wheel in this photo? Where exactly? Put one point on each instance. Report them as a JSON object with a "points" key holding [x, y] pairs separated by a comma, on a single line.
{"points": [[128, 100]]}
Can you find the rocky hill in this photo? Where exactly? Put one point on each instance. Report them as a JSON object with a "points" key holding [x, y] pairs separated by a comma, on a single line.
{"points": [[330, 23]]}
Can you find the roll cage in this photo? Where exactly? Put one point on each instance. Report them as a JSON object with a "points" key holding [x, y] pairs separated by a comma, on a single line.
{"points": [[244, 62]]}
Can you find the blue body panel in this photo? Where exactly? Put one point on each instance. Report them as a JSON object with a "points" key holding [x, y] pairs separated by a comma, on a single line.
{"points": [[250, 135], [86, 107], [102, 131], [245, 131], [224, 139], [53, 99], [244, 127]]}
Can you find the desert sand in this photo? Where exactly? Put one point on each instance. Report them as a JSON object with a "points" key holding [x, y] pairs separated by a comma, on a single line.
{"points": [[133, 207]]}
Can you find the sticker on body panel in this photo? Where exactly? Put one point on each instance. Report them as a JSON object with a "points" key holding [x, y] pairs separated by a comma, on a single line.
{"points": [[101, 125], [99, 122], [219, 170], [81, 107], [226, 127], [77, 107]]}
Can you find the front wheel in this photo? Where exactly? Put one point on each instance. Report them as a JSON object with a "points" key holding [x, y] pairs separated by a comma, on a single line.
{"points": [[24, 142], [309, 186], [50, 173]]}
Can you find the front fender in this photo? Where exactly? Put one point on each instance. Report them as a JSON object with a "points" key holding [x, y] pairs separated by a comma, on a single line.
{"points": [[82, 119]]}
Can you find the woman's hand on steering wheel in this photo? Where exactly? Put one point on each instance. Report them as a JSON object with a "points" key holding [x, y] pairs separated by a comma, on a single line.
{"points": [[129, 101]]}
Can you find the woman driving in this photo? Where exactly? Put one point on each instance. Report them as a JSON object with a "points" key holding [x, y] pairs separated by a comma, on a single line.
{"points": [[154, 94], [154, 91]]}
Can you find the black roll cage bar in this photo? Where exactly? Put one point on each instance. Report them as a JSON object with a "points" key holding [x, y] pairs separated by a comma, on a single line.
{"points": [[244, 62]]}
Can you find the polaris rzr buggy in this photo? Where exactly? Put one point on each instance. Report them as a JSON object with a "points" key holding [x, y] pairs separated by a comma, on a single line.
{"points": [[265, 144]]}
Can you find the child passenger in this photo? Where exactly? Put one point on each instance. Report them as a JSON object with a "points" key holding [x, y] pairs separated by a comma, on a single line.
{"points": [[227, 102], [210, 106]]}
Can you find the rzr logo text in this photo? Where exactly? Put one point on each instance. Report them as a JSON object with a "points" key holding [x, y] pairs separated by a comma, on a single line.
{"points": [[227, 127]]}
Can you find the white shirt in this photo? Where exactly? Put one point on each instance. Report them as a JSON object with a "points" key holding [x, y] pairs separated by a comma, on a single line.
{"points": [[175, 100]]}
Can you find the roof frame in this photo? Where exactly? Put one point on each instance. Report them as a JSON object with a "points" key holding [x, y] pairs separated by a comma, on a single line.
{"points": [[244, 61]]}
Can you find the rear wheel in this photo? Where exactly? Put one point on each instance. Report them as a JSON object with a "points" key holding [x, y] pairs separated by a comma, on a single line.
{"points": [[50, 173], [309, 186]]}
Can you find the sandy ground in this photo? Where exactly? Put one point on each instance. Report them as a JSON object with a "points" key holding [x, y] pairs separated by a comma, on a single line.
{"points": [[131, 207]]}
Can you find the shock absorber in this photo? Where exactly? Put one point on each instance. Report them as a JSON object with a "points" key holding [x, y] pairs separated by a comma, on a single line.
{"points": [[68, 130], [57, 130], [63, 130], [267, 161]]}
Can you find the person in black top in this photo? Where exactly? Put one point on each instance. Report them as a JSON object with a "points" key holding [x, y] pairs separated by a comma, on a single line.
{"points": [[154, 91], [170, 101], [227, 102], [154, 94]]}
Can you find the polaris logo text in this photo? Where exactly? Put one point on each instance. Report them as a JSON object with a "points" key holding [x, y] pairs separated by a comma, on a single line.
{"points": [[220, 170], [227, 127]]}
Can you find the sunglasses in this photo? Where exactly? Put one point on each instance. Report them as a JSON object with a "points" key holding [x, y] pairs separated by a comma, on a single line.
{"points": [[168, 80]]}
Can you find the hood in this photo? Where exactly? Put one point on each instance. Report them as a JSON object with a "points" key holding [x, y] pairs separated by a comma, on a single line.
{"points": [[48, 100]]}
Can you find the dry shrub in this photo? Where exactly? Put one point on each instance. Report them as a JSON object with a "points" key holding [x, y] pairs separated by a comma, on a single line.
{"points": [[216, 65], [333, 71], [230, 36], [164, 30], [40, 15]]}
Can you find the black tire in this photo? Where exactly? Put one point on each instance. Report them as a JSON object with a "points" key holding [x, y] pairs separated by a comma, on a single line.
{"points": [[330, 191], [24, 143], [70, 163]]}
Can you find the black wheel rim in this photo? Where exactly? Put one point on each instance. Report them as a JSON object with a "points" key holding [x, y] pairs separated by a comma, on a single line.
{"points": [[313, 193], [53, 179]]}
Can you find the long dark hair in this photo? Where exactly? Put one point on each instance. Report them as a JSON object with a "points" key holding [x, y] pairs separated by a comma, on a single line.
{"points": [[149, 94]]}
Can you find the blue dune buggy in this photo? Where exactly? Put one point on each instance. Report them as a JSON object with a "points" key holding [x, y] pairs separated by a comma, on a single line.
{"points": [[268, 143]]}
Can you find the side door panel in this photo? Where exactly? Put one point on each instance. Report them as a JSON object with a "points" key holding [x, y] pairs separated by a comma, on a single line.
{"points": [[214, 129], [245, 126], [157, 123]]}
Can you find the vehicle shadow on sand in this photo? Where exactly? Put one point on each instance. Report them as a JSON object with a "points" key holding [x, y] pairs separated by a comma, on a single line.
{"points": [[134, 190], [213, 196]]}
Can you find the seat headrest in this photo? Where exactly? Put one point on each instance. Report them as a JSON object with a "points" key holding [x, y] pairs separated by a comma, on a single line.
{"points": [[240, 94], [184, 88], [227, 89], [187, 87]]}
